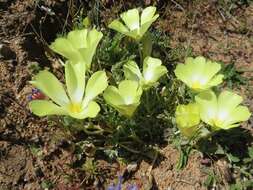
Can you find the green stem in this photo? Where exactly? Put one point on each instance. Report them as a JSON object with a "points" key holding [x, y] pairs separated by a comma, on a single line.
{"points": [[209, 135], [129, 149], [136, 138], [97, 131], [147, 104], [140, 51]]}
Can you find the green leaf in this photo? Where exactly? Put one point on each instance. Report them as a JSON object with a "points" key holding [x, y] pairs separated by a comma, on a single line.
{"points": [[220, 150], [233, 158], [86, 22], [209, 181], [183, 158], [250, 152], [47, 185], [147, 45]]}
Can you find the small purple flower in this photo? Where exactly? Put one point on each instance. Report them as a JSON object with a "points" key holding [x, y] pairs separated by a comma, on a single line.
{"points": [[29, 98], [35, 90], [132, 187], [111, 187], [36, 95], [118, 186], [205, 161]]}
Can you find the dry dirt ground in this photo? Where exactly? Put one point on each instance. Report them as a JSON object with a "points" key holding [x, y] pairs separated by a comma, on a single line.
{"points": [[205, 28]]}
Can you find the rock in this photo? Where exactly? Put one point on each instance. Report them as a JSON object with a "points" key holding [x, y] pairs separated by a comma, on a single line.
{"points": [[132, 167]]}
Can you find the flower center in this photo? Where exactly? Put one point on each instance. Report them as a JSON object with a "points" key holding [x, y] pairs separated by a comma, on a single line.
{"points": [[217, 122], [148, 76], [220, 118], [75, 107], [128, 100], [198, 82], [196, 85]]}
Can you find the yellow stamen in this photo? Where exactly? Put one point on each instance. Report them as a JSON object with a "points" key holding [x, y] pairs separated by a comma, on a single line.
{"points": [[75, 107], [196, 85], [217, 122]]}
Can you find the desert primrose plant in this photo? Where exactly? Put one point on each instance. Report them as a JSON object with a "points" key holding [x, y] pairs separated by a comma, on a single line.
{"points": [[135, 24], [126, 98], [79, 103], [152, 71], [206, 118], [78, 46], [222, 112], [199, 73]]}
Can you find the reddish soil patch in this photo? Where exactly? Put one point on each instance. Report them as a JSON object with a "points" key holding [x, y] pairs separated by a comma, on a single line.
{"points": [[167, 176]]}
